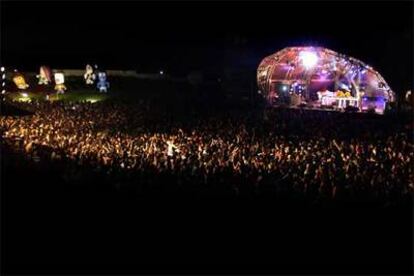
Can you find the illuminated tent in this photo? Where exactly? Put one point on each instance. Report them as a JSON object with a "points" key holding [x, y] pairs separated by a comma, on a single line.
{"points": [[318, 76]]}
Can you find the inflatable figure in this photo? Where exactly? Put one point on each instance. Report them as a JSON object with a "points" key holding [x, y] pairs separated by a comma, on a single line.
{"points": [[20, 82], [89, 75], [102, 83], [408, 97], [45, 75], [60, 83]]}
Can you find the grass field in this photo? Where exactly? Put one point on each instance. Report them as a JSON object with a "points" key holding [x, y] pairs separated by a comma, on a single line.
{"points": [[72, 96], [124, 88]]}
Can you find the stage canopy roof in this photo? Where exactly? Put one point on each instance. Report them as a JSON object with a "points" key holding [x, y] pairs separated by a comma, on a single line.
{"points": [[309, 65]]}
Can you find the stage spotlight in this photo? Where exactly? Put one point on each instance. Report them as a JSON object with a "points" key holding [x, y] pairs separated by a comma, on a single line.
{"points": [[309, 59]]}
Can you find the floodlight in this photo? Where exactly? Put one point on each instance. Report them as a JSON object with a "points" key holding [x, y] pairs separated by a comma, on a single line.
{"points": [[309, 59]]}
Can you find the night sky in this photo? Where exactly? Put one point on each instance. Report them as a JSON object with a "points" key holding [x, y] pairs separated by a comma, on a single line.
{"points": [[181, 37]]}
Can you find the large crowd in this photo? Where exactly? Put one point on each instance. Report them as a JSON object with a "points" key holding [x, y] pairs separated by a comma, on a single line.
{"points": [[315, 156]]}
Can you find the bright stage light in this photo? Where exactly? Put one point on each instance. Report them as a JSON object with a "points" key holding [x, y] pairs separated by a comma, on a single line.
{"points": [[284, 87], [2, 69], [25, 95], [309, 59]]}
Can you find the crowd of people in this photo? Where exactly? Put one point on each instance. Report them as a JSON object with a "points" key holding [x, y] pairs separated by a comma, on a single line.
{"points": [[314, 156]]}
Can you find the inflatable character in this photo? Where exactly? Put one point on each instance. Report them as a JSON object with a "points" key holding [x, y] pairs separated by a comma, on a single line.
{"points": [[20, 82], [89, 75], [408, 97], [102, 83], [60, 83], [45, 76]]}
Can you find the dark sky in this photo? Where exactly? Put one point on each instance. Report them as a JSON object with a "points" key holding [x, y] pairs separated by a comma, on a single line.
{"points": [[186, 36]]}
